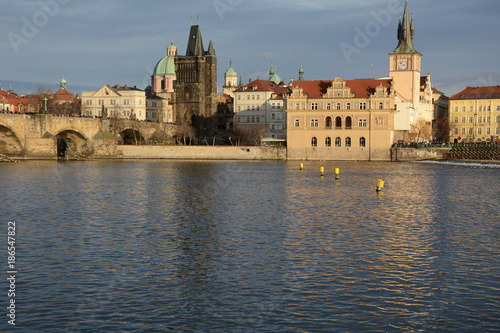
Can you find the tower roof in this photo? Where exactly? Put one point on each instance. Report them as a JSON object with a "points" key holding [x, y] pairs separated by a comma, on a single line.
{"points": [[195, 43], [406, 31], [230, 71], [166, 65]]}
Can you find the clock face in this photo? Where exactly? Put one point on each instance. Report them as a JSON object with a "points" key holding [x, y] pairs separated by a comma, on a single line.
{"points": [[402, 64]]}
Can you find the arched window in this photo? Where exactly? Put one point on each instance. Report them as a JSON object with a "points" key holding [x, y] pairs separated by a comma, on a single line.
{"points": [[348, 122], [348, 142], [328, 142], [338, 122], [338, 142], [328, 122], [314, 142], [362, 142]]}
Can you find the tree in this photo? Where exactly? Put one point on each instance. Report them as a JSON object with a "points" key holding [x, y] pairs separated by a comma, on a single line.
{"points": [[184, 124], [422, 129]]}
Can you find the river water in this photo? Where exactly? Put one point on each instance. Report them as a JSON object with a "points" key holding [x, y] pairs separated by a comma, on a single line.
{"points": [[225, 246]]}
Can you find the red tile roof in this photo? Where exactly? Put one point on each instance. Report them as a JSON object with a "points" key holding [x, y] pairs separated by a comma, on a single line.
{"points": [[362, 88], [478, 93], [63, 94], [258, 85]]}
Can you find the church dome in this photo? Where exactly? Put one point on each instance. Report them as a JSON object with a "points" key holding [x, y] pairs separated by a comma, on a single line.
{"points": [[231, 72], [166, 66]]}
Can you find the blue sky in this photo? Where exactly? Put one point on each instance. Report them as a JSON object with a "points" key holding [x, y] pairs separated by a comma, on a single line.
{"points": [[93, 43]]}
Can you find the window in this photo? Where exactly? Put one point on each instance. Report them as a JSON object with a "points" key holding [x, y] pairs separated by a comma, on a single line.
{"points": [[471, 120], [273, 127], [463, 119], [485, 95], [471, 108], [498, 107], [337, 106], [314, 106], [113, 102], [338, 142], [101, 102], [456, 108], [463, 108], [488, 108], [338, 122], [273, 116], [296, 122], [362, 122], [479, 119], [455, 120], [328, 142], [296, 106], [479, 131], [488, 131], [348, 122], [380, 106], [480, 108], [253, 119], [314, 142], [471, 131], [348, 142], [348, 106], [498, 130], [328, 122], [487, 119], [314, 122], [126, 102], [258, 119], [362, 142], [463, 131], [89, 102], [328, 106], [362, 106]]}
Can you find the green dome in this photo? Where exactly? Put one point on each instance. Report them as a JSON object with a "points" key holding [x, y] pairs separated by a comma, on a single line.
{"points": [[231, 72], [166, 66]]}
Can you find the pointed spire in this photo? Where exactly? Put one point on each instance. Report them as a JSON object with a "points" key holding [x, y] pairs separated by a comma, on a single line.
{"points": [[301, 71], [406, 31], [211, 49], [195, 43]]}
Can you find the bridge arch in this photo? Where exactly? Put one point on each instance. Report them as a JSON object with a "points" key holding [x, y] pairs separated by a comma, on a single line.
{"points": [[72, 145], [9, 142], [132, 136]]}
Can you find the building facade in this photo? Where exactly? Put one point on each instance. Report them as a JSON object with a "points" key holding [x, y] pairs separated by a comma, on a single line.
{"points": [[121, 102], [259, 108], [474, 115], [340, 119]]}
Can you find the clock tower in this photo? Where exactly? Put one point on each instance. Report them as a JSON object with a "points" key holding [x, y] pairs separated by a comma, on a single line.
{"points": [[404, 66]]}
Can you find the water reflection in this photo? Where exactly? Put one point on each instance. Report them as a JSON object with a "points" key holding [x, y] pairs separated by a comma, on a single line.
{"points": [[254, 246]]}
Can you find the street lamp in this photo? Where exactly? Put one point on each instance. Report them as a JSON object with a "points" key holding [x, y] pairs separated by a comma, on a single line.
{"points": [[3, 100]]}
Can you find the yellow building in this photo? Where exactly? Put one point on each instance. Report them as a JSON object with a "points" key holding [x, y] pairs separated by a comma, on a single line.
{"points": [[340, 119], [474, 114]]}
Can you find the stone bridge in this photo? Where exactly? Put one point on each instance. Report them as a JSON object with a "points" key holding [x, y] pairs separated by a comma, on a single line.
{"points": [[48, 136]]}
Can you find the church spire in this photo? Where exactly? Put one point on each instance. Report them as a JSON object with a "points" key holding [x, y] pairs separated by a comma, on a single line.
{"points": [[301, 71], [406, 31]]}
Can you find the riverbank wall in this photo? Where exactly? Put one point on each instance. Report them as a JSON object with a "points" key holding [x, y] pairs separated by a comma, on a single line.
{"points": [[201, 152]]}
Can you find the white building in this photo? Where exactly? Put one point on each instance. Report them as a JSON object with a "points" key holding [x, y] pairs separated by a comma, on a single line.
{"points": [[259, 107], [122, 102]]}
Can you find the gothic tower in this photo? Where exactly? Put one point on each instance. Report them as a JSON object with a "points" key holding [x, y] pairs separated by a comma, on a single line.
{"points": [[404, 67], [196, 83]]}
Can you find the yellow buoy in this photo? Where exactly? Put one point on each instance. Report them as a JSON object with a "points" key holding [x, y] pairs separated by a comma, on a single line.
{"points": [[380, 185], [301, 166], [322, 171], [337, 173]]}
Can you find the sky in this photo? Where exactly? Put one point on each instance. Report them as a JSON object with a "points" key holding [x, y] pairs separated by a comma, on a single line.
{"points": [[96, 42]]}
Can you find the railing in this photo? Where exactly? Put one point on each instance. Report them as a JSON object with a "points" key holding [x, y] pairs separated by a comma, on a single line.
{"points": [[445, 145]]}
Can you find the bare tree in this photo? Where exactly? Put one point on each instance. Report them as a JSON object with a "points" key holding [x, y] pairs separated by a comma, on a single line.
{"points": [[422, 129], [184, 124]]}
